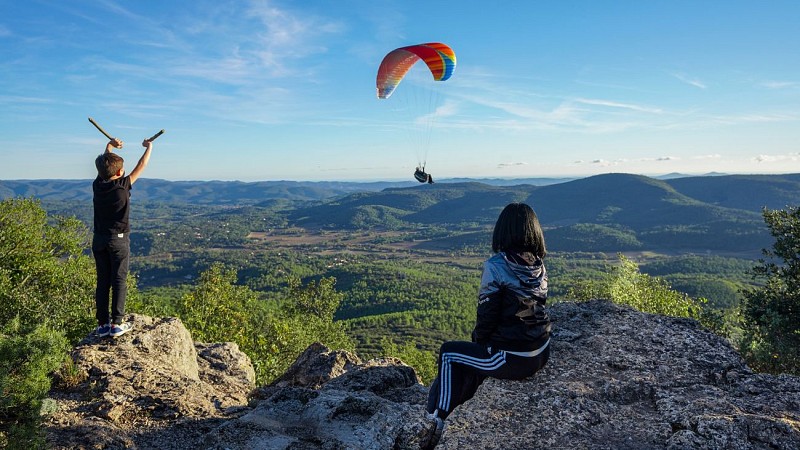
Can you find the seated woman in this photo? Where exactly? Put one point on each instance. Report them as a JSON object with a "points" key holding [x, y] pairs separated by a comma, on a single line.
{"points": [[511, 337]]}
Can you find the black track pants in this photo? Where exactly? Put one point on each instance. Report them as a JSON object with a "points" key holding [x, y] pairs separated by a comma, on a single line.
{"points": [[111, 257], [464, 365]]}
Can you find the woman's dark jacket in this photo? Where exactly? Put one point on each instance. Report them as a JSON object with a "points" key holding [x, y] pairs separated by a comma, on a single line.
{"points": [[511, 299]]}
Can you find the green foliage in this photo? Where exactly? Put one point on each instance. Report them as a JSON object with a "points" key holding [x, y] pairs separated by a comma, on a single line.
{"points": [[424, 362], [369, 216], [307, 316], [218, 309], [591, 237], [304, 317], [46, 302], [624, 284], [27, 358], [44, 275], [771, 313]]}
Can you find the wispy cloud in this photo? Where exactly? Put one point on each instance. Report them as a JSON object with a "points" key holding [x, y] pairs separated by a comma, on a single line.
{"points": [[287, 36], [691, 81], [16, 99], [511, 164], [755, 118], [780, 84], [793, 157], [613, 104]]}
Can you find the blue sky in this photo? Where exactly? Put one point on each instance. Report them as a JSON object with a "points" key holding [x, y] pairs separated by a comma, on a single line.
{"points": [[282, 90]]}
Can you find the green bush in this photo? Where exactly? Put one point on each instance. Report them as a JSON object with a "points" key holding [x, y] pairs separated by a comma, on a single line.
{"points": [[424, 362], [624, 284], [217, 309], [45, 277], [771, 313], [26, 361], [46, 303]]}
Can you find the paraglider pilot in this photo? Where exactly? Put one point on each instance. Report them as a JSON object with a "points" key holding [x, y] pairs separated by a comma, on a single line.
{"points": [[423, 177]]}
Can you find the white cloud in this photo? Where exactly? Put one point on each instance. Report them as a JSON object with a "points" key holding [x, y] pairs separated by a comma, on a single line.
{"points": [[613, 104], [777, 158], [780, 84], [691, 81], [511, 164], [288, 36]]}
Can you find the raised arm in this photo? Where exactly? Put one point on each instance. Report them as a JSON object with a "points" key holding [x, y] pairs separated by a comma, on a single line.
{"points": [[112, 144], [137, 171]]}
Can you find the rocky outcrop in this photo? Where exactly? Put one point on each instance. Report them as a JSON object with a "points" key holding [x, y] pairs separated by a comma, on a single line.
{"points": [[376, 404], [617, 378], [153, 388], [621, 379], [144, 380]]}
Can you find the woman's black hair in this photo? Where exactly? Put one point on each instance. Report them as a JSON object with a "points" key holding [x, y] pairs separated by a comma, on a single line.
{"points": [[518, 229]]}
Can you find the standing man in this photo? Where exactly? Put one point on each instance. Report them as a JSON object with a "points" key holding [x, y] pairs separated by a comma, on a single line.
{"points": [[111, 243]]}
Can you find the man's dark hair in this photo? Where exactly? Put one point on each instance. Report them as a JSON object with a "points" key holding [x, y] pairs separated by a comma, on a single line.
{"points": [[108, 164], [518, 229]]}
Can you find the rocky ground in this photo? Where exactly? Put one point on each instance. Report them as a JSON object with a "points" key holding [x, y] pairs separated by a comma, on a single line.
{"points": [[617, 379]]}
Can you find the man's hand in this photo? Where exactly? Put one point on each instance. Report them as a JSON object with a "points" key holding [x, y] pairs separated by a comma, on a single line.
{"points": [[147, 144]]}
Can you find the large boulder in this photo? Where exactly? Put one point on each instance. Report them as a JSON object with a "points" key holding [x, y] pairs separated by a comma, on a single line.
{"points": [[377, 404], [622, 379], [146, 379]]}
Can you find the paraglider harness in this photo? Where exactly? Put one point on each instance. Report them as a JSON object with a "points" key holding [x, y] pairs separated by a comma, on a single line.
{"points": [[423, 177]]}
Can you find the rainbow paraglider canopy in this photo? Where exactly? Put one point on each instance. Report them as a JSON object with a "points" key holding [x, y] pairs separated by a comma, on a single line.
{"points": [[440, 59]]}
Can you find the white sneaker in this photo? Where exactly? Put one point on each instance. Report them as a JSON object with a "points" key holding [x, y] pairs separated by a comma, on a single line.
{"points": [[119, 329]]}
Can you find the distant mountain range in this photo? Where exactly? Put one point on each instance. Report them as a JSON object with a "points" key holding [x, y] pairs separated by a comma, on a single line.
{"points": [[611, 211], [238, 192]]}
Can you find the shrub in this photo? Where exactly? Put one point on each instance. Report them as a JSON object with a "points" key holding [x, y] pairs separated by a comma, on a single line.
{"points": [[26, 361], [771, 313]]}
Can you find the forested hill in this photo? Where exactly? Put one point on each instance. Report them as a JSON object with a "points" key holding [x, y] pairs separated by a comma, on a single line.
{"points": [[631, 200], [196, 192], [611, 212], [748, 192]]}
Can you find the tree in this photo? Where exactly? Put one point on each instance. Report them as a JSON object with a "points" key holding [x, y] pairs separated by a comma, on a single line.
{"points": [[218, 309], [771, 313], [424, 362], [624, 284], [45, 277], [46, 302]]}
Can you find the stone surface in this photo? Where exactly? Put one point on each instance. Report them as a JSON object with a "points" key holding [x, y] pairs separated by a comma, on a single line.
{"points": [[146, 379], [617, 379], [621, 379]]}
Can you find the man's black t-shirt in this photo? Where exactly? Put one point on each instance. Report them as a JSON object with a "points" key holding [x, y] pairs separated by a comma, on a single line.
{"points": [[111, 205]]}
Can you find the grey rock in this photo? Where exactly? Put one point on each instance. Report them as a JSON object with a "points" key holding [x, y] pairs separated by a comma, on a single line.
{"points": [[617, 379], [621, 379], [149, 378]]}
